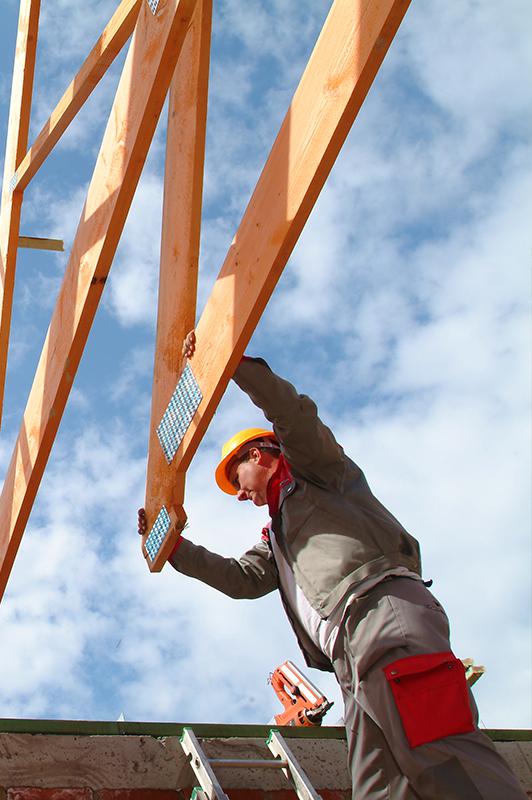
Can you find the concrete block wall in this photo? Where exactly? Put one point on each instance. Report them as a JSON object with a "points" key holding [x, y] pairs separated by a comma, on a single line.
{"points": [[54, 760], [83, 793], [57, 760]]}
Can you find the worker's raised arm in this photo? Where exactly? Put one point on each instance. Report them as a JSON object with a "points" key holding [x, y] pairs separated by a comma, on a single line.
{"points": [[307, 443], [253, 575]]}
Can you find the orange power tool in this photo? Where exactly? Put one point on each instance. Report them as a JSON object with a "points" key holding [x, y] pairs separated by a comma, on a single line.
{"points": [[304, 704]]}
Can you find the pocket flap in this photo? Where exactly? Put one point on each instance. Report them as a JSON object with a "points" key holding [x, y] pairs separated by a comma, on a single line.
{"points": [[412, 665]]}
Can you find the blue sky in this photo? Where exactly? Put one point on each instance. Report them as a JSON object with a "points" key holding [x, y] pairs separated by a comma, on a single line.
{"points": [[404, 312]]}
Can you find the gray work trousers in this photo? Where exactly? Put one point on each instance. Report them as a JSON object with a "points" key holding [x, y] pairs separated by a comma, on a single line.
{"points": [[397, 619]]}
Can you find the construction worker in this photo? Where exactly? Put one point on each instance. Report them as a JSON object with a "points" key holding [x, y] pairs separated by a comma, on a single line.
{"points": [[349, 576]]}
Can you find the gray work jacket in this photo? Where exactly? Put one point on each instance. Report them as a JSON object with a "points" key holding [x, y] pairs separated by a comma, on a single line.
{"points": [[333, 531]]}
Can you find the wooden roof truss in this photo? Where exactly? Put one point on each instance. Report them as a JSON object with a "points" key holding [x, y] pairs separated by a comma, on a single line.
{"points": [[169, 54]]}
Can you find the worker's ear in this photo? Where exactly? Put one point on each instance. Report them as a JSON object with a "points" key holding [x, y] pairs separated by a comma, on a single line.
{"points": [[262, 457], [255, 455]]}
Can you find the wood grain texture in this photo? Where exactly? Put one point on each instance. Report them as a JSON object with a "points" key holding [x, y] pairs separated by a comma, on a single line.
{"points": [[38, 243], [17, 142], [180, 243], [345, 60], [149, 67]]}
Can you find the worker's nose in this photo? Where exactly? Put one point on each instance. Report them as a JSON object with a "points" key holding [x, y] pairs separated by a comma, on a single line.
{"points": [[242, 495]]}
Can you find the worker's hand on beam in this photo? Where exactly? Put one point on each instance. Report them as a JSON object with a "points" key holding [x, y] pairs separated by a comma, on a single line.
{"points": [[189, 345], [142, 524]]}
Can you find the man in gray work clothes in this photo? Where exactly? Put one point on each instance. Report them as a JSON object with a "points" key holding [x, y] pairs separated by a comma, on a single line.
{"points": [[349, 576]]}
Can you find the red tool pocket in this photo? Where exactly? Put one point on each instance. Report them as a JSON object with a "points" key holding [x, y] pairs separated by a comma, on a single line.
{"points": [[431, 695]]}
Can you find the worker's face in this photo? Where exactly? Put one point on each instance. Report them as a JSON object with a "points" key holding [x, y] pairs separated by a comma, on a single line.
{"points": [[250, 477]]}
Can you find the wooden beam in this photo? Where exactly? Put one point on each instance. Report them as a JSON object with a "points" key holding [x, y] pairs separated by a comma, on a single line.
{"points": [[473, 671], [114, 36], [345, 60], [17, 142], [144, 83], [183, 189], [38, 243]]}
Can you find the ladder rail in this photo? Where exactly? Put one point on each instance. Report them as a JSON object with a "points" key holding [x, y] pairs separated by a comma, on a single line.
{"points": [[201, 766], [293, 771], [199, 794]]}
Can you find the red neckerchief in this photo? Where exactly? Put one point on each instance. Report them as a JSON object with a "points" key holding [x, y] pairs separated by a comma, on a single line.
{"points": [[280, 477]]}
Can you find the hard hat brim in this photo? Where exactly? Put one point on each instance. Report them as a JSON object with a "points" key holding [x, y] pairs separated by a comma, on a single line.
{"points": [[222, 470]]}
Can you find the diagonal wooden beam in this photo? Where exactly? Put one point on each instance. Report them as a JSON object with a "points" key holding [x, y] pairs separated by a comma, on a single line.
{"points": [[342, 67], [144, 83], [17, 142], [114, 36], [178, 280]]}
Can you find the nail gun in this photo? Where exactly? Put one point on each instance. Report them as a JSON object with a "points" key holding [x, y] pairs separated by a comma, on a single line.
{"points": [[304, 704]]}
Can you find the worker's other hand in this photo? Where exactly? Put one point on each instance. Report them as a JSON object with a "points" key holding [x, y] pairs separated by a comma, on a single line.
{"points": [[189, 345], [142, 524]]}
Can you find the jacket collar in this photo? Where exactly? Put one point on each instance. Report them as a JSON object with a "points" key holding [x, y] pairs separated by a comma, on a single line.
{"points": [[278, 482]]}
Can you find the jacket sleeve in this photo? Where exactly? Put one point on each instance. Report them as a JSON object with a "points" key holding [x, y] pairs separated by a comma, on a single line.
{"points": [[306, 442], [251, 576]]}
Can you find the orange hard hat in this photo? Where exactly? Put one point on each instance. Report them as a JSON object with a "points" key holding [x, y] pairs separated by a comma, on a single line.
{"points": [[230, 450]]}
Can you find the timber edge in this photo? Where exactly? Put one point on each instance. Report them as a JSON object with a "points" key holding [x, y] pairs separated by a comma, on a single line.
{"points": [[203, 729]]}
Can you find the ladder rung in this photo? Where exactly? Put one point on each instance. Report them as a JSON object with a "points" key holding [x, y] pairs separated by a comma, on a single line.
{"points": [[251, 763]]}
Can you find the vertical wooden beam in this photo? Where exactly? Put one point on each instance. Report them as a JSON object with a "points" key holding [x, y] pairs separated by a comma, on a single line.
{"points": [[183, 190], [17, 143], [144, 83], [345, 60], [110, 43]]}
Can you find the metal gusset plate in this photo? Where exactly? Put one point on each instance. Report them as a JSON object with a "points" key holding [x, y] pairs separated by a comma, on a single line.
{"points": [[161, 526], [179, 413], [153, 4]]}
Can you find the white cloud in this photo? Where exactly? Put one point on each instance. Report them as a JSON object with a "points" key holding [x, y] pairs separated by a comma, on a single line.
{"points": [[46, 622], [59, 211], [132, 290], [69, 28], [53, 614], [458, 476], [473, 61], [284, 32]]}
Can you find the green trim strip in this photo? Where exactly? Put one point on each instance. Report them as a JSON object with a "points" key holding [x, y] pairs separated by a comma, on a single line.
{"points": [[201, 729], [162, 729], [515, 735]]}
